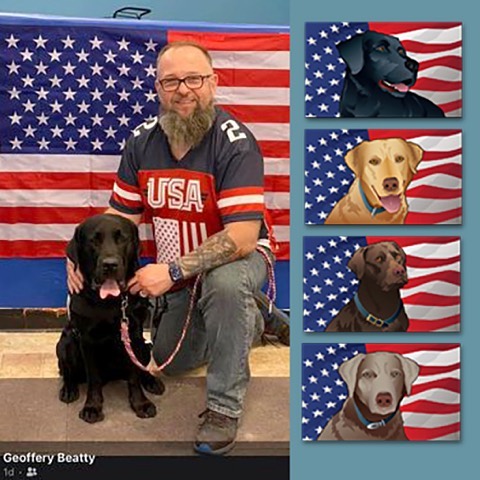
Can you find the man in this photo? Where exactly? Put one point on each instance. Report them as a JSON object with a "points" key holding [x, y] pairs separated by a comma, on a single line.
{"points": [[197, 173]]}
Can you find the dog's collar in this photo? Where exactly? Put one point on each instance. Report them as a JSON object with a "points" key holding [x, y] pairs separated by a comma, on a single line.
{"points": [[372, 210], [373, 425], [377, 322]]}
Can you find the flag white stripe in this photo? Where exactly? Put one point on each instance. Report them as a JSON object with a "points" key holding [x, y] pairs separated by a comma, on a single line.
{"points": [[281, 233], [454, 113], [438, 144], [420, 272], [433, 205], [186, 245], [433, 35], [277, 201], [434, 250], [435, 358], [427, 420], [251, 60], [193, 229], [439, 180], [451, 328], [439, 98], [452, 221], [440, 376], [124, 194], [437, 287], [433, 395], [203, 231], [240, 200], [276, 166], [272, 96], [424, 57], [429, 313], [456, 160], [442, 73], [448, 438], [270, 131]]}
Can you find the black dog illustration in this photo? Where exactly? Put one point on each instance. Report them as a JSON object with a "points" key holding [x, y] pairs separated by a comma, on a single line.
{"points": [[377, 306], [378, 79]]}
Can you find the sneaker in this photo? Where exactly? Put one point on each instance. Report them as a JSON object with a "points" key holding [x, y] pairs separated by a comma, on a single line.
{"points": [[216, 434], [277, 322]]}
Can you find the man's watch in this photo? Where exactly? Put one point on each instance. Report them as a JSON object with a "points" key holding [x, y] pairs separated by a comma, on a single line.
{"points": [[175, 272]]}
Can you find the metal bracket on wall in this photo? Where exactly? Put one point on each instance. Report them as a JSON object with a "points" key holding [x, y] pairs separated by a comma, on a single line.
{"points": [[131, 12]]}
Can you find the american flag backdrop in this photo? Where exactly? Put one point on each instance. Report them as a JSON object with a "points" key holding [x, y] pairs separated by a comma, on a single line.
{"points": [[72, 91], [431, 297], [434, 196], [430, 412], [437, 46]]}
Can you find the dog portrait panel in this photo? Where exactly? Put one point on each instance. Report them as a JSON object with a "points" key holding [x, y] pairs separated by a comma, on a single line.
{"points": [[381, 284], [380, 392], [382, 177], [383, 69]]}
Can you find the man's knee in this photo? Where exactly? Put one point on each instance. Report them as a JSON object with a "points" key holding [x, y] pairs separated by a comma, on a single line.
{"points": [[227, 281]]}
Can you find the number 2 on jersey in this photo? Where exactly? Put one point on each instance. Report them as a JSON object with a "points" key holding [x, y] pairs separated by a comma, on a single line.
{"points": [[232, 128]]}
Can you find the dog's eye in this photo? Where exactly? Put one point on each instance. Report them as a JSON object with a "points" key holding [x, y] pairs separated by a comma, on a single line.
{"points": [[369, 375], [118, 236], [399, 159], [381, 49], [374, 161], [379, 259], [395, 374], [402, 52]]}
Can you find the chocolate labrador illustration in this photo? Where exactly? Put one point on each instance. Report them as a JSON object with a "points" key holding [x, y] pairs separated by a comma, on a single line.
{"points": [[377, 383], [105, 248], [383, 171], [377, 306], [379, 76]]}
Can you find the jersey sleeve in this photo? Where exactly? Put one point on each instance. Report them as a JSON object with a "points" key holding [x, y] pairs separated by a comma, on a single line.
{"points": [[126, 195], [241, 182]]}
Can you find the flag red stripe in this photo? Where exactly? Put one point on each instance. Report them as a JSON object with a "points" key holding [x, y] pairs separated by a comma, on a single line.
{"points": [[423, 434], [437, 85], [253, 78], [235, 41], [259, 114], [375, 134], [453, 169], [432, 325], [426, 406], [420, 262], [409, 241], [445, 276], [450, 384], [451, 106], [280, 217], [404, 348], [404, 27], [432, 155], [451, 61], [412, 46], [432, 299], [426, 370], [277, 183], [275, 148], [429, 191], [420, 218]]}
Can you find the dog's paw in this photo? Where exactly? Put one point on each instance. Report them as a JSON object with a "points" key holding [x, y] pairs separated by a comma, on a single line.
{"points": [[69, 394], [91, 414], [145, 410], [153, 385]]}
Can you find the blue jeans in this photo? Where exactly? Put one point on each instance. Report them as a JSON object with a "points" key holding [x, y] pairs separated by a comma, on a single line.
{"points": [[225, 323]]}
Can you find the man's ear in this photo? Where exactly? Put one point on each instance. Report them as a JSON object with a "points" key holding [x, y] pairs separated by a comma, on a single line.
{"points": [[352, 52], [357, 263], [73, 246], [348, 371]]}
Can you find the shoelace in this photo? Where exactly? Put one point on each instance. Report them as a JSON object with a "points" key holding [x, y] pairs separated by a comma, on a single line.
{"points": [[215, 418]]}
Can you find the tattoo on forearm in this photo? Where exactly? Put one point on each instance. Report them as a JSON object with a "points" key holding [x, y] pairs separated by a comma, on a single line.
{"points": [[213, 252]]}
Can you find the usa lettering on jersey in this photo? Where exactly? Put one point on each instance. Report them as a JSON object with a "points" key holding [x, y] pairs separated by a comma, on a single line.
{"points": [[175, 194]]}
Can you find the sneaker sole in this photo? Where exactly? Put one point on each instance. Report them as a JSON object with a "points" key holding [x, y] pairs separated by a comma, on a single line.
{"points": [[205, 449]]}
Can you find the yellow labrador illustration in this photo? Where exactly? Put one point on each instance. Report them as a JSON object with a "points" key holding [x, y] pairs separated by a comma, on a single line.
{"points": [[383, 170]]}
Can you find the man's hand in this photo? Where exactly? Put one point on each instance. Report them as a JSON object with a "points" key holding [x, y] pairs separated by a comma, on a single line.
{"points": [[152, 280], [74, 278]]}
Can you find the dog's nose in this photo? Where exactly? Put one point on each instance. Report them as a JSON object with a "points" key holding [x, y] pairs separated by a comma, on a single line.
{"points": [[390, 184], [110, 265], [412, 65], [384, 400], [399, 271]]}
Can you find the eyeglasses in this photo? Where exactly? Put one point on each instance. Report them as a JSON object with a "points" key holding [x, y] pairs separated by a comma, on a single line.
{"points": [[193, 82]]}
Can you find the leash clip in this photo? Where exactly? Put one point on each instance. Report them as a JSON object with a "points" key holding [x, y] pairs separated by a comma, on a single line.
{"points": [[124, 309], [376, 425]]}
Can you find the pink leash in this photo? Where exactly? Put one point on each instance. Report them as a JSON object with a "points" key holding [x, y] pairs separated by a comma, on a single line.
{"points": [[155, 369]]}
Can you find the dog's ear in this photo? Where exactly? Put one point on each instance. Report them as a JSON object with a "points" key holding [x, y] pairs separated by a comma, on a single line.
{"points": [[410, 371], [416, 156], [73, 246], [357, 263], [348, 371], [352, 52], [351, 161]]}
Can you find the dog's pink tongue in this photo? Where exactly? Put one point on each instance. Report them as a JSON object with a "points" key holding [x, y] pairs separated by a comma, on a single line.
{"points": [[109, 287], [401, 87], [391, 203]]}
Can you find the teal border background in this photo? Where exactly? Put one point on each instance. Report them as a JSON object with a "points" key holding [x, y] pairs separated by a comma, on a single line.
{"points": [[436, 460]]}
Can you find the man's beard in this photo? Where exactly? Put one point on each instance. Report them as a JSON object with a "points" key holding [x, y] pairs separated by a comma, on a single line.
{"points": [[189, 130]]}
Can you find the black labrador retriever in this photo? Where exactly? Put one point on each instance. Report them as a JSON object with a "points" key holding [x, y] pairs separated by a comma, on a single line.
{"points": [[105, 248], [379, 76], [377, 306]]}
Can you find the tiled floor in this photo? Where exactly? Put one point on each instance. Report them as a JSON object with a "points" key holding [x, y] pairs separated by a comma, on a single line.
{"points": [[32, 417]]}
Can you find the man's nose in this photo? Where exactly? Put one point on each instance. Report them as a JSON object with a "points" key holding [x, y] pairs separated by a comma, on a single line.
{"points": [[183, 89]]}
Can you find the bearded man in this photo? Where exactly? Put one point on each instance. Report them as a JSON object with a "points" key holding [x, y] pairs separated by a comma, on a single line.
{"points": [[197, 174]]}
